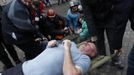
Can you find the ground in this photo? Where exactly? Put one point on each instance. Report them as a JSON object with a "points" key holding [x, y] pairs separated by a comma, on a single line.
{"points": [[106, 69]]}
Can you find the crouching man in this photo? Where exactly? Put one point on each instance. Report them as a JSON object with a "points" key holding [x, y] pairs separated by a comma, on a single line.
{"points": [[58, 59]]}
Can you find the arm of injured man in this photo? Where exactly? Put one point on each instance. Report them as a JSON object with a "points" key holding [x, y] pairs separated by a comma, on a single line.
{"points": [[80, 67]]}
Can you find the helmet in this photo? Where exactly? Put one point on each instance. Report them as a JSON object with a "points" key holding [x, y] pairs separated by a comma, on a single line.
{"points": [[74, 3], [51, 13], [80, 8]]}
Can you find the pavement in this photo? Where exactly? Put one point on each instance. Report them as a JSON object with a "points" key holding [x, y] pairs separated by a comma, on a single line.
{"points": [[128, 41]]}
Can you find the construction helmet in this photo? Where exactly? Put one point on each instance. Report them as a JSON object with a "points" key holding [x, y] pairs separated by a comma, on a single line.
{"points": [[51, 13]]}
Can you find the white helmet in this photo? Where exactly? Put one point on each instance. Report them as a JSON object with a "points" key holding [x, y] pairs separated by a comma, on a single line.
{"points": [[74, 3], [80, 8]]}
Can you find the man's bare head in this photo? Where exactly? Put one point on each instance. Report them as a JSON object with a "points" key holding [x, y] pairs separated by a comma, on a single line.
{"points": [[88, 48]]}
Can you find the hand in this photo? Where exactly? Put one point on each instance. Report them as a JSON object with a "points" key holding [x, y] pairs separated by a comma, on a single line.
{"points": [[44, 38], [49, 37], [118, 52], [60, 22], [37, 39], [67, 44], [52, 43], [65, 29], [93, 38], [79, 31], [41, 39]]}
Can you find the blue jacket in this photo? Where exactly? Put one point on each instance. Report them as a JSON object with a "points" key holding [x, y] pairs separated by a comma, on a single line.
{"points": [[72, 19]]}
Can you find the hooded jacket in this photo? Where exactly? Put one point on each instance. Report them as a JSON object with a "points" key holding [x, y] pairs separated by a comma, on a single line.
{"points": [[17, 27]]}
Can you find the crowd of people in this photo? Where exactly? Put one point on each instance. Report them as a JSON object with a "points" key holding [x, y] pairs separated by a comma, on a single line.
{"points": [[35, 29], [28, 25]]}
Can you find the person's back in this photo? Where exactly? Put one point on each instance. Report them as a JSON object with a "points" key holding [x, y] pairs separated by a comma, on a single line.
{"points": [[51, 61]]}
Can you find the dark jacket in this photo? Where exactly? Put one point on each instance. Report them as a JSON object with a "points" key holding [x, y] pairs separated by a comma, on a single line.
{"points": [[0, 22], [0, 12], [131, 16], [53, 28], [17, 27]]}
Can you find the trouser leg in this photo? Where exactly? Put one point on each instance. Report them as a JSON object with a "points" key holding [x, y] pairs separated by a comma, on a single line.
{"points": [[118, 36], [130, 69], [100, 41], [4, 57], [58, 2], [109, 32], [121, 15], [17, 70], [12, 52], [131, 18]]}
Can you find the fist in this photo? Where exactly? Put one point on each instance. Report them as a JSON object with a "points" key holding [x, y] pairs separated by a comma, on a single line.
{"points": [[67, 44], [52, 43]]}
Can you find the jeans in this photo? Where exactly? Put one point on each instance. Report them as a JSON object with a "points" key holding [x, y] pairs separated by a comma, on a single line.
{"points": [[130, 69], [17, 70]]}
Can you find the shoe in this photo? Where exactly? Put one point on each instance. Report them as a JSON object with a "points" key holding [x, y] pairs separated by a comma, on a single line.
{"points": [[117, 62]]}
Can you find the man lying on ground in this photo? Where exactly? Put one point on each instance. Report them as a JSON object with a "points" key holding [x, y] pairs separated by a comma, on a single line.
{"points": [[58, 59]]}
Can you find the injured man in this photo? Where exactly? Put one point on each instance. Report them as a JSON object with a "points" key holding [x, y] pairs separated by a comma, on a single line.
{"points": [[58, 59]]}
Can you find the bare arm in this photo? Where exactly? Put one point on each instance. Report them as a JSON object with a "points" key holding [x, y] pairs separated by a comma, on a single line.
{"points": [[68, 66]]}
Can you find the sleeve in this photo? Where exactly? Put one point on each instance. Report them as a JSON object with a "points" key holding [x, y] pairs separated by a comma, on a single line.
{"points": [[42, 8], [88, 16], [83, 64], [84, 28], [68, 19]]}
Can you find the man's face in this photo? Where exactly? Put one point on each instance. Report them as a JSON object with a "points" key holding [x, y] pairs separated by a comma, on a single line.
{"points": [[88, 49], [92, 53], [74, 8]]}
